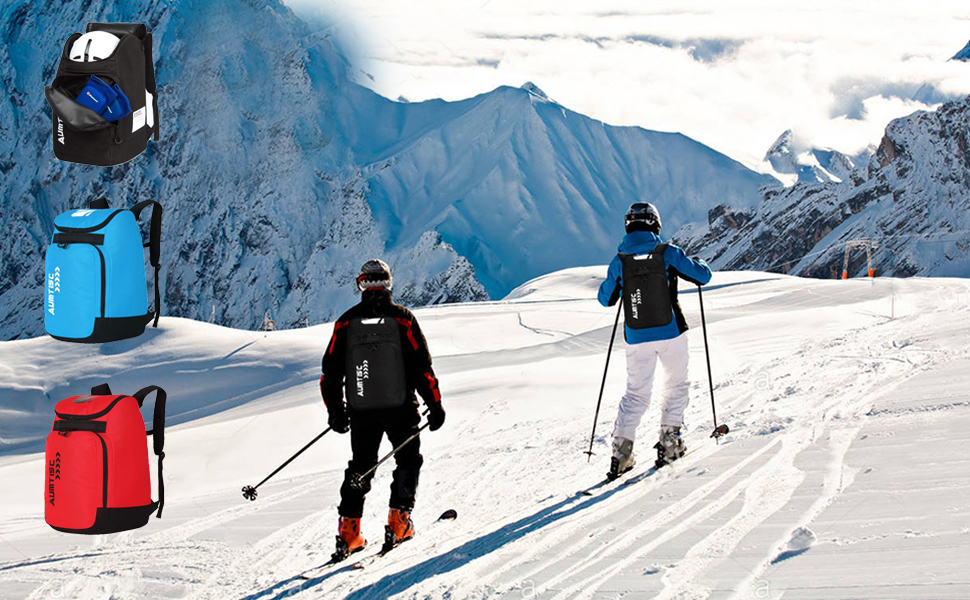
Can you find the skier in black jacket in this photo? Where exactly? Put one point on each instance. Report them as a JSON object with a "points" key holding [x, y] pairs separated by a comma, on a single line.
{"points": [[379, 357]]}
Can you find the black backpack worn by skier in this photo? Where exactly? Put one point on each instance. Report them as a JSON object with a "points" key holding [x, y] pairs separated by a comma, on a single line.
{"points": [[646, 289], [375, 364], [104, 102]]}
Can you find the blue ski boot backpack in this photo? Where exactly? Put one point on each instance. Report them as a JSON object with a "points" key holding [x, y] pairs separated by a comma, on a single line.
{"points": [[95, 287]]}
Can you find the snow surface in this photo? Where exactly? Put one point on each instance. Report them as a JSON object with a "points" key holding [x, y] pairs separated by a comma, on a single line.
{"points": [[845, 422]]}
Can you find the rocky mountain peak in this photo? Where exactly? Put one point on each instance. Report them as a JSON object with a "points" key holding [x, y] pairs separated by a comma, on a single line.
{"points": [[913, 201]]}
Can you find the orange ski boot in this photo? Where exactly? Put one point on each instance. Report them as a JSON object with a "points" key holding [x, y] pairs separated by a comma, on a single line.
{"points": [[349, 539], [399, 529]]}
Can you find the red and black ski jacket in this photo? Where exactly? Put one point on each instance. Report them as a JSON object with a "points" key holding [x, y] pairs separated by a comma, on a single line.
{"points": [[419, 375]]}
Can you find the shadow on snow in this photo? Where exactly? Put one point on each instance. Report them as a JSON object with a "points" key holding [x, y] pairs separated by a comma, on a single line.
{"points": [[460, 556]]}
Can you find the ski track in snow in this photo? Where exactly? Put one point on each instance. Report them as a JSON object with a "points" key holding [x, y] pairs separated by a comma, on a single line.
{"points": [[801, 367]]}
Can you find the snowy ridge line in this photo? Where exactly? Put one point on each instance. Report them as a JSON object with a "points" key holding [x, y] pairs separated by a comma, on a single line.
{"points": [[583, 344]]}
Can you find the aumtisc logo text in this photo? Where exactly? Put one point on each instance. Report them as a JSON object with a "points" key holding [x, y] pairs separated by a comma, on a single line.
{"points": [[53, 287]]}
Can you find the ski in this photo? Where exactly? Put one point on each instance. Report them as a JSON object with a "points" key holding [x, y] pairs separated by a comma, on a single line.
{"points": [[385, 550], [389, 545], [611, 479], [719, 432], [628, 480], [319, 570]]}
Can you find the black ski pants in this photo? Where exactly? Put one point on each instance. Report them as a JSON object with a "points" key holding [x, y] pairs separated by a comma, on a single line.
{"points": [[367, 429]]}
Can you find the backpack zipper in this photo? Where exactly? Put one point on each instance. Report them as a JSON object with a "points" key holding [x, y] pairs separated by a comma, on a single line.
{"points": [[104, 277], [104, 471], [97, 415], [92, 228], [104, 274]]}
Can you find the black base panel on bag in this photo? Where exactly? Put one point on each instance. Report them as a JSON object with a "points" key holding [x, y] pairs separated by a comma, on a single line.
{"points": [[112, 329], [113, 520]]}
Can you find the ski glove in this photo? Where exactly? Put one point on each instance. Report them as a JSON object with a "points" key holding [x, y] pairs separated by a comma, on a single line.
{"points": [[339, 421], [436, 416]]}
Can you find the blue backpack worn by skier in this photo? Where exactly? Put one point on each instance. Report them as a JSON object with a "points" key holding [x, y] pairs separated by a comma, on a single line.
{"points": [[95, 289]]}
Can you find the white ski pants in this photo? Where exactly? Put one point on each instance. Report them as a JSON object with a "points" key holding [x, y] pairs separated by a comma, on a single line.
{"points": [[641, 364]]}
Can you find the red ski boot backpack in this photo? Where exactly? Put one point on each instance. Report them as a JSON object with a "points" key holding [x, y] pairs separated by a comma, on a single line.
{"points": [[97, 462]]}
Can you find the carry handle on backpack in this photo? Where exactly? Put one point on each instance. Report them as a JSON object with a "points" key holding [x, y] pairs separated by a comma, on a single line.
{"points": [[138, 30], [154, 240], [157, 431]]}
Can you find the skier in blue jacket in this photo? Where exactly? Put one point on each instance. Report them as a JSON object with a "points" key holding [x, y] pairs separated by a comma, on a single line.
{"points": [[643, 275]]}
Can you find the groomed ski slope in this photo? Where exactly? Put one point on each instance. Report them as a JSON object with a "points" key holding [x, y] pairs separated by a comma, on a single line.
{"points": [[846, 474]]}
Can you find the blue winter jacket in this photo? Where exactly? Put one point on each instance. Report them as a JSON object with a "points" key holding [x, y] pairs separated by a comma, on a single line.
{"points": [[678, 264]]}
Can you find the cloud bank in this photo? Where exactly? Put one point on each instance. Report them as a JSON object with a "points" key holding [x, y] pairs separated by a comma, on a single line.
{"points": [[731, 74]]}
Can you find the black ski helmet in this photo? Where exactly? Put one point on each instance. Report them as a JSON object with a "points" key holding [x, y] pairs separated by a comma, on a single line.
{"points": [[642, 216], [374, 274]]}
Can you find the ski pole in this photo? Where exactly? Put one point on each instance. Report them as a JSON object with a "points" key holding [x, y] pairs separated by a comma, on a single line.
{"points": [[596, 416], [357, 482], [249, 491], [718, 431]]}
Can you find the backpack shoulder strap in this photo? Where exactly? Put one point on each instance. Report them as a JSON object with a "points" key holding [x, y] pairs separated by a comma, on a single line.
{"points": [[153, 245], [660, 249], [99, 203], [101, 390], [158, 434]]}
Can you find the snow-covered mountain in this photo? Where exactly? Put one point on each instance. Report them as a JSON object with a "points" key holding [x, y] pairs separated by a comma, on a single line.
{"points": [[279, 175], [815, 164], [913, 201]]}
